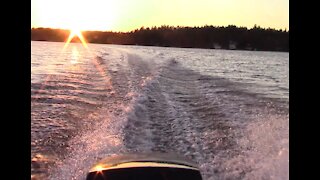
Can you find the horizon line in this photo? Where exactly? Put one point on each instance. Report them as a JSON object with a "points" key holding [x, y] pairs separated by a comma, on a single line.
{"points": [[177, 26]]}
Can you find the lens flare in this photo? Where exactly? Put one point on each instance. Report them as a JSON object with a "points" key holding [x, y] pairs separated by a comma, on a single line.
{"points": [[99, 168], [76, 33]]}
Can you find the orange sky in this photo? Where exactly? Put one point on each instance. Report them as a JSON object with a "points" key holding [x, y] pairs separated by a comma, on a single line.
{"points": [[127, 15]]}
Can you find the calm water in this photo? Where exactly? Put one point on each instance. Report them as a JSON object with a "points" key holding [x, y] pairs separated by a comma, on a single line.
{"points": [[226, 110]]}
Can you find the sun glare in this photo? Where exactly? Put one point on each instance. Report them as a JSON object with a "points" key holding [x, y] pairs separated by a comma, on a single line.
{"points": [[75, 33], [99, 168]]}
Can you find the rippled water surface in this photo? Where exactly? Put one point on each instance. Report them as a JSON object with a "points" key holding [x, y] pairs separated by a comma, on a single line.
{"points": [[225, 110]]}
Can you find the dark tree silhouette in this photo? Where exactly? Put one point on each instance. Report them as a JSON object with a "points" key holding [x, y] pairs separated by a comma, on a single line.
{"points": [[229, 37]]}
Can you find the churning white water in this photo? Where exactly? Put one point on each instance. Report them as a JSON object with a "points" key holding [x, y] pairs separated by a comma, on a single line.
{"points": [[226, 110]]}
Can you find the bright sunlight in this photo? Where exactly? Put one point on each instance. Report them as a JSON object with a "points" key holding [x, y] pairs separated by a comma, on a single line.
{"points": [[76, 33], [75, 14], [128, 15]]}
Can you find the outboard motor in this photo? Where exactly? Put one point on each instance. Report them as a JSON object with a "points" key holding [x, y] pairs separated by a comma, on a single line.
{"points": [[146, 166]]}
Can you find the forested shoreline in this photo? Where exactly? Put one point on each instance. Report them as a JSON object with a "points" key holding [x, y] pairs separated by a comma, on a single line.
{"points": [[208, 37]]}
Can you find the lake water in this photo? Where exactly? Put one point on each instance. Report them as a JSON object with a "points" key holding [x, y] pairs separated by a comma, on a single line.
{"points": [[226, 110]]}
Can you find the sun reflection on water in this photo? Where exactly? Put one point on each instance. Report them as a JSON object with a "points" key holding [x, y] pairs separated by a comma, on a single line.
{"points": [[75, 55]]}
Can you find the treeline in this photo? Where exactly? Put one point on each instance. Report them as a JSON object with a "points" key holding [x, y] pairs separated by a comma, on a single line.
{"points": [[230, 37]]}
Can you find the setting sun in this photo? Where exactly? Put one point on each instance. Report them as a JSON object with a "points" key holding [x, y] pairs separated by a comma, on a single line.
{"points": [[76, 33], [161, 89]]}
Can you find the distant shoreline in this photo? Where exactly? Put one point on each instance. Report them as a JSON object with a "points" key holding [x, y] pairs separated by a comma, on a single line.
{"points": [[206, 37], [167, 46]]}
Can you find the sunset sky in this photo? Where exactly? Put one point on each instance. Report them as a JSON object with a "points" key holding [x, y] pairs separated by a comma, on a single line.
{"points": [[127, 15]]}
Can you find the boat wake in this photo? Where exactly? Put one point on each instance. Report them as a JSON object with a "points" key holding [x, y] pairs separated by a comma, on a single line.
{"points": [[139, 105]]}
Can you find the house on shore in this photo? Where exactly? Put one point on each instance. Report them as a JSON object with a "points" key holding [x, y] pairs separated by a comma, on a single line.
{"points": [[232, 45], [216, 46]]}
